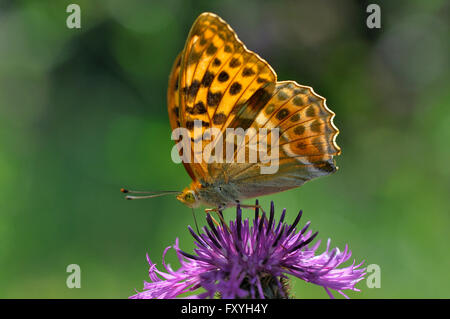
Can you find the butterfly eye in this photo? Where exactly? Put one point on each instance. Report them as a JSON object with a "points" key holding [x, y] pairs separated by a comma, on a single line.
{"points": [[189, 197]]}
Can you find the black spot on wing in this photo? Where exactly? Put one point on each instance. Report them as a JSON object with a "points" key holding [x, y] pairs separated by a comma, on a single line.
{"points": [[247, 72], [234, 63], [212, 49], [213, 99], [223, 76], [235, 88], [207, 79], [219, 118], [198, 108]]}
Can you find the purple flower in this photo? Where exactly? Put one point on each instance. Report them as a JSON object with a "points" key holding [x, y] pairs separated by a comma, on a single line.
{"points": [[242, 261]]}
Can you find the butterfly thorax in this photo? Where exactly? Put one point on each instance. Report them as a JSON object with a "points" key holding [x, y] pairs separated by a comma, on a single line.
{"points": [[218, 195]]}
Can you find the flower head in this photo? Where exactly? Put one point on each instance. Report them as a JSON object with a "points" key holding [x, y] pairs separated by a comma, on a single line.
{"points": [[237, 260]]}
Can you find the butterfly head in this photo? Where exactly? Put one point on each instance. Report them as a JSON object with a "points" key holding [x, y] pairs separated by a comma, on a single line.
{"points": [[189, 198]]}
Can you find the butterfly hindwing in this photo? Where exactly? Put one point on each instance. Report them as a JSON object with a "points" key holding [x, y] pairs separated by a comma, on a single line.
{"points": [[306, 140], [304, 121]]}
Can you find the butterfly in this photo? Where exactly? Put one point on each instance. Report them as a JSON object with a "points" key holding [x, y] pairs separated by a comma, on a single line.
{"points": [[219, 84]]}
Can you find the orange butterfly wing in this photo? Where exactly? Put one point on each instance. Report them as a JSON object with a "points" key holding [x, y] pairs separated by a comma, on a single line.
{"points": [[218, 75], [219, 82], [306, 144]]}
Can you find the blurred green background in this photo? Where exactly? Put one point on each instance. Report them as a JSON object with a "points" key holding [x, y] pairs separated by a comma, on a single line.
{"points": [[83, 113]]}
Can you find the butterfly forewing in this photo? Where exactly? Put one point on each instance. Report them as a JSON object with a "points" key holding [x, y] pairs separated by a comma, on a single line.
{"points": [[173, 104], [219, 75]]}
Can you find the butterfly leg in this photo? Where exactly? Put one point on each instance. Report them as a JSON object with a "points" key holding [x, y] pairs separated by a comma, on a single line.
{"points": [[218, 211], [252, 206], [208, 211]]}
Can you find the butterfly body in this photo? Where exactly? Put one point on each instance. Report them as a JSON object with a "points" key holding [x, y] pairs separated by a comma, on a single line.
{"points": [[219, 195], [217, 82]]}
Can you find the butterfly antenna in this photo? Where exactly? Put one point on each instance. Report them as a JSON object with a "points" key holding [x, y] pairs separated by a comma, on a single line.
{"points": [[150, 194]]}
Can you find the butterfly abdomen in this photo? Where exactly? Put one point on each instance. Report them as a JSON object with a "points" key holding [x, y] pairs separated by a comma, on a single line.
{"points": [[219, 194]]}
